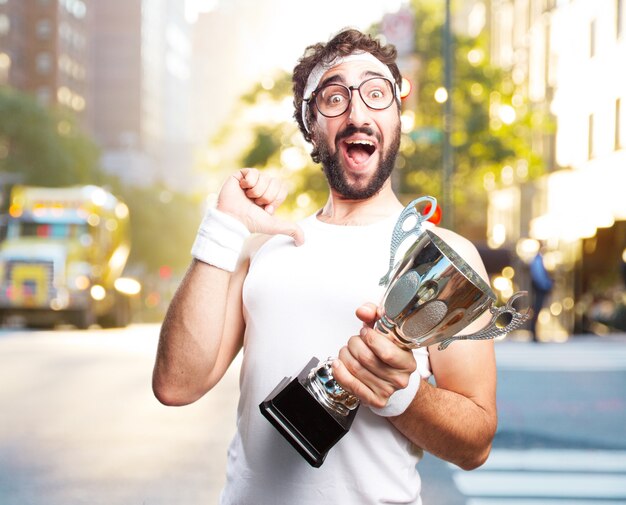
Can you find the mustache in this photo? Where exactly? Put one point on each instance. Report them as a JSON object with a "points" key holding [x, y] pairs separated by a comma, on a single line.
{"points": [[351, 130]]}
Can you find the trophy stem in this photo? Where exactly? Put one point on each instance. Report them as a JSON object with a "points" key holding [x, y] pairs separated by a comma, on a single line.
{"points": [[321, 384]]}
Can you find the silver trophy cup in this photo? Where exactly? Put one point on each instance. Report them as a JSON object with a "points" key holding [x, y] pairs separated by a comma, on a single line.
{"points": [[432, 295]]}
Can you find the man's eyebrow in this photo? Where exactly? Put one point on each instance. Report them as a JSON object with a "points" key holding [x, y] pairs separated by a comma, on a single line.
{"points": [[333, 78], [372, 73], [340, 79]]}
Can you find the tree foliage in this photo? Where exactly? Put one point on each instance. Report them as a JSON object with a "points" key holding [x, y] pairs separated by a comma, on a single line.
{"points": [[45, 147], [266, 143], [492, 133], [163, 226], [262, 134], [492, 130]]}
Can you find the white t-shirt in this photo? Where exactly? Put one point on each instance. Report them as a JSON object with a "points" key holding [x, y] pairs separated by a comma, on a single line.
{"points": [[300, 302]]}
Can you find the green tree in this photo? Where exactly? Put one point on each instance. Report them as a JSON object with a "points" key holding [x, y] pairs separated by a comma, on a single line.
{"points": [[493, 123], [44, 146], [163, 225], [493, 128], [271, 142]]}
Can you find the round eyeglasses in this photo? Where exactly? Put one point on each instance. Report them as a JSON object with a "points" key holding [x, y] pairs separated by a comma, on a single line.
{"points": [[333, 99]]}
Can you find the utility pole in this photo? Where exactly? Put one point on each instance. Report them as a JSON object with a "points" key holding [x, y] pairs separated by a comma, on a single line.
{"points": [[448, 158]]}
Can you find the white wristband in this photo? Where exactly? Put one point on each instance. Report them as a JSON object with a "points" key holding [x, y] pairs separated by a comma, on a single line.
{"points": [[219, 240], [400, 400]]}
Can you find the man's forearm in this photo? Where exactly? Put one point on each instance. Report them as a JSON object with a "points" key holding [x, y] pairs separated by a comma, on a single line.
{"points": [[191, 335], [449, 426]]}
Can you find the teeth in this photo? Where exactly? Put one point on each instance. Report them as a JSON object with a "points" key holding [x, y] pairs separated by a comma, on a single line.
{"points": [[363, 142]]}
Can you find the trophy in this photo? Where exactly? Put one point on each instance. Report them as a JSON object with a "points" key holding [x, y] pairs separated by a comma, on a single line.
{"points": [[432, 294]]}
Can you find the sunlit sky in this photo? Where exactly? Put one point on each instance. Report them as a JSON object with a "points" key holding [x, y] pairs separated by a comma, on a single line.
{"points": [[248, 40], [283, 28]]}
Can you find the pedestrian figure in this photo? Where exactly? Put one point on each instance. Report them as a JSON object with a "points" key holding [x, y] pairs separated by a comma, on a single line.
{"points": [[542, 285]]}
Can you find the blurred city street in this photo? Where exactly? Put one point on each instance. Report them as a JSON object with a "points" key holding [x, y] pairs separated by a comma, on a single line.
{"points": [[80, 425], [121, 119]]}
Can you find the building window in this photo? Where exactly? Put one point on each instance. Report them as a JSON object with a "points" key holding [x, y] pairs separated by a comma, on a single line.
{"points": [[590, 147], [44, 29], [592, 39], [77, 8], [5, 24], [43, 63], [618, 124]]}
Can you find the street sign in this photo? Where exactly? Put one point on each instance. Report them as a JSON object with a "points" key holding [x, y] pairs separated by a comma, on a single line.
{"points": [[399, 29]]}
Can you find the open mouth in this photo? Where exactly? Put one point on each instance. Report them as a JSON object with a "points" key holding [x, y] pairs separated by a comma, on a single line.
{"points": [[359, 151]]}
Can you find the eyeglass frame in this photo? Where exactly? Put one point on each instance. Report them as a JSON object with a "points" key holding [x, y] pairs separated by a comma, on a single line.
{"points": [[314, 94]]}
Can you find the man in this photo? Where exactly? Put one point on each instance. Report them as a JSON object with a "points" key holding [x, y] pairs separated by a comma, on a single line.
{"points": [[289, 291], [542, 285]]}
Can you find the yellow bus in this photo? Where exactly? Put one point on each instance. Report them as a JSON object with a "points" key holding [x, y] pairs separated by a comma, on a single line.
{"points": [[63, 257]]}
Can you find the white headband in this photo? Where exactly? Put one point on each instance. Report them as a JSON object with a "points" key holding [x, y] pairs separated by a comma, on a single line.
{"points": [[322, 67]]}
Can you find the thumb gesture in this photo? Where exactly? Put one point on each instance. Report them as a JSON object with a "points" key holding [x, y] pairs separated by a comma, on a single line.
{"points": [[252, 197]]}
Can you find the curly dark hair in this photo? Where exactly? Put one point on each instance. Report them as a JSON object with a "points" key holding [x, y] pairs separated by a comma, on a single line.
{"points": [[344, 43]]}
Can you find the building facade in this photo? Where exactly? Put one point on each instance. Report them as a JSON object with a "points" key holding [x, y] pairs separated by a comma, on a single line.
{"points": [[566, 58], [122, 66], [45, 50], [141, 82]]}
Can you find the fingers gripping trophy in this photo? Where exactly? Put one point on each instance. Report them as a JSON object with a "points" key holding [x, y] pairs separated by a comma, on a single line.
{"points": [[432, 294]]}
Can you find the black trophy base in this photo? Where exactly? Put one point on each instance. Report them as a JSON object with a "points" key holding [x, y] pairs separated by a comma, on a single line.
{"points": [[304, 422]]}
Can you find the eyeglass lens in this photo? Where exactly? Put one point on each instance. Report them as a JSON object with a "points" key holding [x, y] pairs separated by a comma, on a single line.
{"points": [[333, 100]]}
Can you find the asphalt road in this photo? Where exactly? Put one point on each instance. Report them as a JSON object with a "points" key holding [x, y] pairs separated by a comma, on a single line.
{"points": [[561, 436], [79, 425]]}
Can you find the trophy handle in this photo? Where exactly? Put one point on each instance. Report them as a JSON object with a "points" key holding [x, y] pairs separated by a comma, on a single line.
{"points": [[492, 330], [399, 234]]}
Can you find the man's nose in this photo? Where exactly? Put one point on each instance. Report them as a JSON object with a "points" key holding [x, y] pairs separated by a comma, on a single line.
{"points": [[358, 112]]}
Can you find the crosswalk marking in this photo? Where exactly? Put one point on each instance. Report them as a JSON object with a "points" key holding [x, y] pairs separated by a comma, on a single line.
{"points": [[537, 501], [547, 485], [540, 476], [572, 356], [556, 460]]}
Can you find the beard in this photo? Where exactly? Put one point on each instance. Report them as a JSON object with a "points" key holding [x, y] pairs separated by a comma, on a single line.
{"points": [[336, 175]]}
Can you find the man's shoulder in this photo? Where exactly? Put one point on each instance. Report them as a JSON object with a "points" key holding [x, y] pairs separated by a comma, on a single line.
{"points": [[454, 240], [463, 247]]}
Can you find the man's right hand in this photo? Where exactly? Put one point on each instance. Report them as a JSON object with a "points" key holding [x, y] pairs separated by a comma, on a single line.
{"points": [[252, 197]]}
